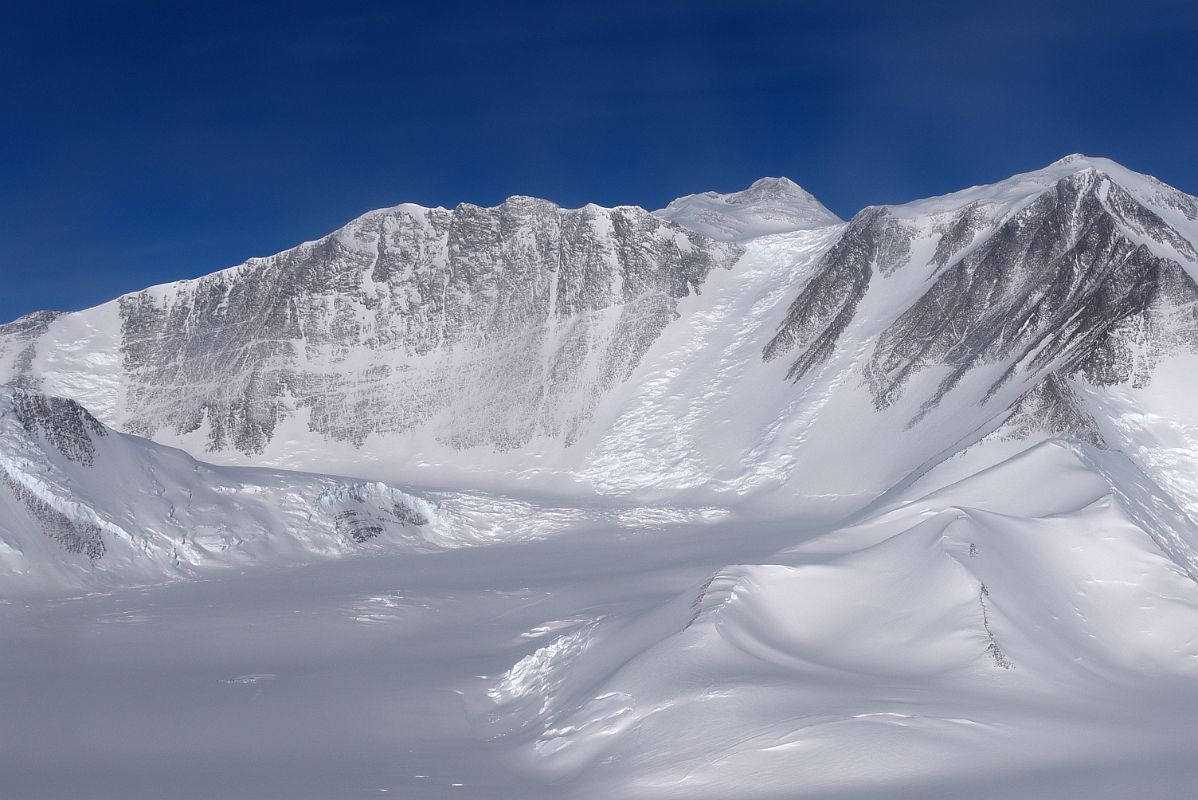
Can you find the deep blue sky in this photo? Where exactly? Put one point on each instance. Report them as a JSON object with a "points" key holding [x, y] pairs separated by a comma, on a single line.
{"points": [[144, 142]]}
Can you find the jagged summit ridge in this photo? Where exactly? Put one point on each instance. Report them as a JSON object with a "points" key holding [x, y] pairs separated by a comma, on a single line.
{"points": [[1177, 208], [490, 325]]}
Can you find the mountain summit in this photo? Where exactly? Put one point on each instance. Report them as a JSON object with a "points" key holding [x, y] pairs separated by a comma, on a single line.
{"points": [[770, 205]]}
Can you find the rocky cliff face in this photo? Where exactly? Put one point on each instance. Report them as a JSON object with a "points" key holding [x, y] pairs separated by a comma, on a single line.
{"points": [[18, 339], [63, 423], [66, 427], [487, 326]]}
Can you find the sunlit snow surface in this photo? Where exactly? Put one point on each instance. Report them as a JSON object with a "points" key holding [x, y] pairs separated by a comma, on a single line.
{"points": [[1002, 628], [989, 631]]}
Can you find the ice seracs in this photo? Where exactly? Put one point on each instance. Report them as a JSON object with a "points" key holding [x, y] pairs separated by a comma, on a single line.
{"points": [[83, 506]]}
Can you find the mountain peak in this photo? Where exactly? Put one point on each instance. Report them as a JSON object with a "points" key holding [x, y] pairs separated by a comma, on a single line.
{"points": [[772, 186], [1080, 162], [1076, 163], [1018, 190], [769, 205], [1076, 160]]}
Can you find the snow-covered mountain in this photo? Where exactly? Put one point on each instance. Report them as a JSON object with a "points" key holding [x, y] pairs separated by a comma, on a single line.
{"points": [[610, 350], [1065, 296], [903, 506]]}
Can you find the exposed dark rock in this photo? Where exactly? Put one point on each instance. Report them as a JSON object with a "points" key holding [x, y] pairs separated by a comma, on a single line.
{"points": [[1051, 407], [1059, 285], [61, 422], [74, 536], [511, 322], [23, 333], [826, 305], [365, 511]]}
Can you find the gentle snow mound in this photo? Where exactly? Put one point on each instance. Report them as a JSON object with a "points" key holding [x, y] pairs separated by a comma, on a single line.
{"points": [[770, 205]]}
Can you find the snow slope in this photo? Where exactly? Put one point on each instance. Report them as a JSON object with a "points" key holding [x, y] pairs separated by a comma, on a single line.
{"points": [[1010, 633], [85, 506]]}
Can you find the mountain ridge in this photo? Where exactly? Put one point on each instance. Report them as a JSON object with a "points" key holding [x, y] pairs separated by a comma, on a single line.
{"points": [[527, 345]]}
